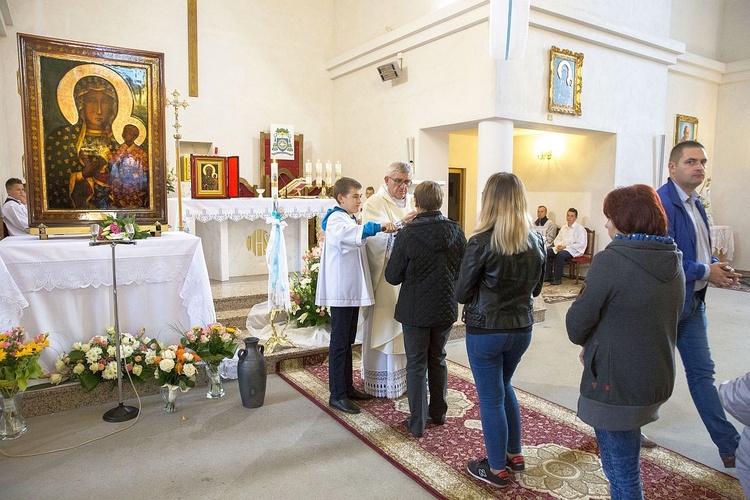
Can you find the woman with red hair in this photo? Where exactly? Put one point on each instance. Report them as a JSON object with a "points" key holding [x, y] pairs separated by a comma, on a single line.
{"points": [[626, 320]]}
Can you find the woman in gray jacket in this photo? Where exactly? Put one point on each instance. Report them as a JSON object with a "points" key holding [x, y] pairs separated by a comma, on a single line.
{"points": [[626, 319]]}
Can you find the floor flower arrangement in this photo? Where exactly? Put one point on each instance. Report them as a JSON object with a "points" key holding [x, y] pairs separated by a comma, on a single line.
{"points": [[175, 371], [19, 363], [212, 343], [96, 360], [302, 289]]}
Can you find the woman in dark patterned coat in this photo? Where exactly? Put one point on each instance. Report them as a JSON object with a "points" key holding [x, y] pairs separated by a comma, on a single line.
{"points": [[425, 261]]}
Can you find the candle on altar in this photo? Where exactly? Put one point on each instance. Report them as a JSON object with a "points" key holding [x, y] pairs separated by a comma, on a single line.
{"points": [[337, 170], [274, 180], [318, 173], [329, 173], [308, 172]]}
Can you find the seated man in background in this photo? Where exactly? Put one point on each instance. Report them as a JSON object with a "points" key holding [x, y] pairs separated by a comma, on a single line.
{"points": [[570, 242], [15, 214], [545, 226]]}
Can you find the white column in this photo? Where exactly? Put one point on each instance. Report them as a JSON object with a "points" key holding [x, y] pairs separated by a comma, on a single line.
{"points": [[494, 151]]}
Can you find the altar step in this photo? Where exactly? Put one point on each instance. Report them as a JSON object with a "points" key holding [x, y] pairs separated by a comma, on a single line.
{"points": [[233, 300]]}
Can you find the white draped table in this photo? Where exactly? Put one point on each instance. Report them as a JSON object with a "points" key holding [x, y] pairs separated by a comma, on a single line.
{"points": [[238, 249], [64, 286], [722, 241]]}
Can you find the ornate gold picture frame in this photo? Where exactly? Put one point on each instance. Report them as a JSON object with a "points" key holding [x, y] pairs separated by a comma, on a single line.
{"points": [[93, 120], [686, 128], [565, 81]]}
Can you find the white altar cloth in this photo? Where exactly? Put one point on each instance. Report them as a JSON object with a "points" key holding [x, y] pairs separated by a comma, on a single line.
{"points": [[64, 286], [235, 252], [722, 241]]}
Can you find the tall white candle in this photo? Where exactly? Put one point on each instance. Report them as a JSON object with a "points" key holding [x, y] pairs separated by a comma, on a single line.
{"points": [[308, 172], [274, 180], [329, 173], [318, 173], [337, 169]]}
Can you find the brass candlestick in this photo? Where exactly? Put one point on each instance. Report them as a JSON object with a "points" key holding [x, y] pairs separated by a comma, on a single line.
{"points": [[177, 104], [277, 339]]}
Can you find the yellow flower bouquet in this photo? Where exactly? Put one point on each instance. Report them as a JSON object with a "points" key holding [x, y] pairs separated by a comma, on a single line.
{"points": [[19, 360]]}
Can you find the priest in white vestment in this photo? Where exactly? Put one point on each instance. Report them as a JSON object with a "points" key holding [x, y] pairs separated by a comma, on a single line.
{"points": [[383, 355]]}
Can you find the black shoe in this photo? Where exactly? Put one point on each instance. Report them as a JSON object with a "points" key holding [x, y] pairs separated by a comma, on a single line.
{"points": [[357, 395], [548, 280], [438, 421], [481, 470], [343, 405], [556, 282], [729, 462], [406, 424], [515, 464], [646, 442]]}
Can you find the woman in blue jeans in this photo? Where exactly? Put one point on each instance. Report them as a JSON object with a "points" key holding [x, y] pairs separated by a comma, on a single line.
{"points": [[501, 273], [626, 320]]}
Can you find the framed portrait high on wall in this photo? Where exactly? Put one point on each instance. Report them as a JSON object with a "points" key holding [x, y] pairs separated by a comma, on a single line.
{"points": [[565, 81], [208, 176], [93, 132], [686, 129]]}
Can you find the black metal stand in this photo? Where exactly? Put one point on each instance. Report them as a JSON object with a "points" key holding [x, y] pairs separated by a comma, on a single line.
{"points": [[122, 413]]}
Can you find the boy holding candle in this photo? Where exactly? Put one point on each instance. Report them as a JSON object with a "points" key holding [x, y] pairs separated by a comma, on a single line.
{"points": [[344, 285]]}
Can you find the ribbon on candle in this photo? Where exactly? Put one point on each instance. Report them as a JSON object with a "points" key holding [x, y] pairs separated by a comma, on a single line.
{"points": [[274, 180]]}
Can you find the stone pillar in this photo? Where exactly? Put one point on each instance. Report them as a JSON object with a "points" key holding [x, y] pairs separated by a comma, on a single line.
{"points": [[494, 151]]}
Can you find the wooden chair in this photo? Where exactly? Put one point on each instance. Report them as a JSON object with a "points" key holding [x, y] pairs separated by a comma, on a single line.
{"points": [[584, 261]]}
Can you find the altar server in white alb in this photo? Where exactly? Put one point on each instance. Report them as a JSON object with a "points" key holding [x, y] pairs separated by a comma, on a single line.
{"points": [[344, 285], [15, 214], [383, 353]]}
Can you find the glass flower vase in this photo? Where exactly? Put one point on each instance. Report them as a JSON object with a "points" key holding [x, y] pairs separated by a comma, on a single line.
{"points": [[170, 393], [12, 424], [215, 387]]}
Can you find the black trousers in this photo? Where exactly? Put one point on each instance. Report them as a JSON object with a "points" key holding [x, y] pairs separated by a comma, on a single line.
{"points": [[425, 352], [343, 334]]}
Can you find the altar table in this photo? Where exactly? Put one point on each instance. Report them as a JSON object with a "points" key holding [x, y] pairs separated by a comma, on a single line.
{"points": [[64, 286], [722, 242], [238, 249]]}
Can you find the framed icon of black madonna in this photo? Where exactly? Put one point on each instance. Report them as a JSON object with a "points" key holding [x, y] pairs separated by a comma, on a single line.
{"points": [[93, 119]]}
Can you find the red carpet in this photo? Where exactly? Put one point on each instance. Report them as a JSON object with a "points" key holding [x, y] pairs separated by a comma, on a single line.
{"points": [[560, 450]]}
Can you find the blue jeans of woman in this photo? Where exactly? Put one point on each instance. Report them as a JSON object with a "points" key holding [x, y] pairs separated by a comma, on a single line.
{"points": [[620, 451], [493, 358]]}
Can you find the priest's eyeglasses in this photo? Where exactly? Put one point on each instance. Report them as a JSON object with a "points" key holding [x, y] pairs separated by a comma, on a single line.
{"points": [[400, 182]]}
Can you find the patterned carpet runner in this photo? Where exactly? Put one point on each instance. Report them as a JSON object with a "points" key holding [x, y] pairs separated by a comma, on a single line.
{"points": [[560, 450]]}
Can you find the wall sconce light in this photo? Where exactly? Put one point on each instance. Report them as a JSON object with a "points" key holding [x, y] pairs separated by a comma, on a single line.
{"points": [[549, 146], [545, 155], [391, 70]]}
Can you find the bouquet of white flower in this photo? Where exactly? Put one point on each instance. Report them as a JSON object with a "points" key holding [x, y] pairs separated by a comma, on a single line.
{"points": [[96, 360], [176, 367]]}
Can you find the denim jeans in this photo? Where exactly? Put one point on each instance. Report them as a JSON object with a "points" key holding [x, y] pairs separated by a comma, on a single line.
{"points": [[493, 358], [692, 342], [621, 461]]}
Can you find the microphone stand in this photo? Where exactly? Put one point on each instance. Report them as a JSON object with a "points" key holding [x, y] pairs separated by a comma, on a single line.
{"points": [[121, 413]]}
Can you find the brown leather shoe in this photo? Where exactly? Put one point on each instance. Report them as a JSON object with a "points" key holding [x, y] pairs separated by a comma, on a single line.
{"points": [[729, 462], [646, 442]]}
